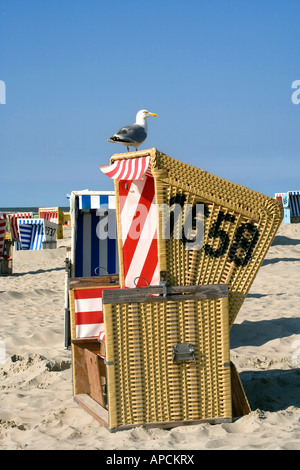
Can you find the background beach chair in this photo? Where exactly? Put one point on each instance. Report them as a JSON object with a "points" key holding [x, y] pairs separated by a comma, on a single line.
{"points": [[14, 227], [13, 219], [55, 215], [90, 255], [291, 205], [278, 197], [37, 234], [6, 255], [3, 220]]}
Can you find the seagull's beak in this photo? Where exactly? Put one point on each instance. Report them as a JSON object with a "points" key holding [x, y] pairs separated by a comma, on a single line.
{"points": [[153, 114]]}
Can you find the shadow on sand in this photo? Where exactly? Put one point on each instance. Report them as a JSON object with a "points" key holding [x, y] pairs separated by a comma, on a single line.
{"points": [[257, 333], [272, 390]]}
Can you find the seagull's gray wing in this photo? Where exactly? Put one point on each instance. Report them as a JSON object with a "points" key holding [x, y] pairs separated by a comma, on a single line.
{"points": [[130, 134]]}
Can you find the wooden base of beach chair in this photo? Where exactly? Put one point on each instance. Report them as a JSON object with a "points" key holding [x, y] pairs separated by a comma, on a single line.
{"points": [[89, 374], [49, 245], [95, 403], [90, 388], [102, 416], [6, 267], [6, 263]]}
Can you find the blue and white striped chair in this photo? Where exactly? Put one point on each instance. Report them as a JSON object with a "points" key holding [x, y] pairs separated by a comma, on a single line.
{"points": [[91, 255], [37, 234], [291, 206]]}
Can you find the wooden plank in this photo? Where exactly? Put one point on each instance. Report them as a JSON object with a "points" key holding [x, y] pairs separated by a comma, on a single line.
{"points": [[96, 376], [80, 373], [94, 281], [87, 342], [80, 376], [72, 313], [173, 424], [155, 294], [93, 408]]}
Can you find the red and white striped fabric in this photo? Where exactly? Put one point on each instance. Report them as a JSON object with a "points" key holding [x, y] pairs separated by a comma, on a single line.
{"points": [[139, 232], [49, 214], [2, 232], [13, 219], [278, 197], [138, 224], [130, 169], [88, 312]]}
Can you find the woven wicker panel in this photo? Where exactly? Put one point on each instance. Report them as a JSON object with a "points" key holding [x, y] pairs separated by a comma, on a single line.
{"points": [[144, 385], [239, 227]]}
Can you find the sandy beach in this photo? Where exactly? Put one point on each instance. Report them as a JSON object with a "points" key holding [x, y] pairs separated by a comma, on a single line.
{"points": [[37, 409]]}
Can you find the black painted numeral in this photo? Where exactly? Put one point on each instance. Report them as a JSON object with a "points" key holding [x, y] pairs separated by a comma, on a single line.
{"points": [[216, 232], [245, 240]]}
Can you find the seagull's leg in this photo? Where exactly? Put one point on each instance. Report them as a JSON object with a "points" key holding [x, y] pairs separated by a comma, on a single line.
{"points": [[127, 148]]}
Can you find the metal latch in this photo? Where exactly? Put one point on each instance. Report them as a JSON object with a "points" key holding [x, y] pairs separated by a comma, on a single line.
{"points": [[163, 282], [183, 352]]}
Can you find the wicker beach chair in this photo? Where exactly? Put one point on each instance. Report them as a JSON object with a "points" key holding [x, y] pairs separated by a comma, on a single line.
{"points": [[14, 227], [166, 357], [37, 234], [239, 225], [55, 215]]}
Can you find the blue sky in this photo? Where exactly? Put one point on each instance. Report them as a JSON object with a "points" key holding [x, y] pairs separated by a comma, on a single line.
{"points": [[218, 73]]}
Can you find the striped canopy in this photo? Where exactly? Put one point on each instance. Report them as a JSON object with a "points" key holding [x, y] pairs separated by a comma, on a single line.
{"points": [[96, 201], [49, 214], [13, 219], [131, 169]]}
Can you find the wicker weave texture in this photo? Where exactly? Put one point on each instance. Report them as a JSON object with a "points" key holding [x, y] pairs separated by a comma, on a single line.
{"points": [[239, 227], [144, 385]]}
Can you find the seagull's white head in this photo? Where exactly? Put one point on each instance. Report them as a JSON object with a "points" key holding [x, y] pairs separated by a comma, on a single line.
{"points": [[142, 115]]}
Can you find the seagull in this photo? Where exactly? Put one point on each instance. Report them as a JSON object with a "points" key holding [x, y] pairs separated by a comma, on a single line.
{"points": [[134, 134]]}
